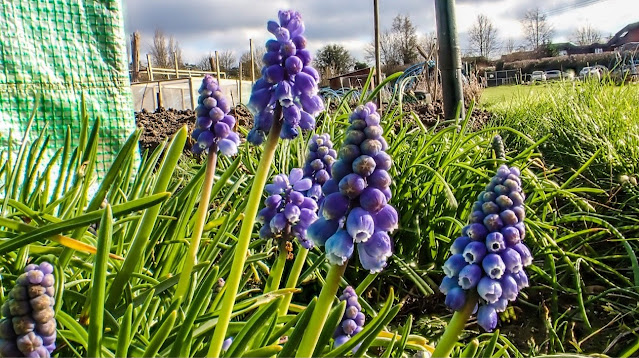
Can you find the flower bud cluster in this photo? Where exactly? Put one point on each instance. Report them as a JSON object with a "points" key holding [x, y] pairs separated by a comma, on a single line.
{"points": [[214, 125], [490, 256], [353, 320], [355, 209], [288, 213], [28, 328], [288, 80], [319, 162]]}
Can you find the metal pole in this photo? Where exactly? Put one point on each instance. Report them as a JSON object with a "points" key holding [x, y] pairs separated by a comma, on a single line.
{"points": [[252, 62], [378, 68], [240, 88], [449, 57]]}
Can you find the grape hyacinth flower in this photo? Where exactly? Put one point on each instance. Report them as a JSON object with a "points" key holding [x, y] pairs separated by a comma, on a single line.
{"points": [[288, 81], [355, 209], [28, 326], [214, 125], [319, 162], [490, 255], [227, 344], [288, 213], [353, 320]]}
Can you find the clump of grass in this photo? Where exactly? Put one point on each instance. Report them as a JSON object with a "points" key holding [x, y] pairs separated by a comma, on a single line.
{"points": [[582, 118]]}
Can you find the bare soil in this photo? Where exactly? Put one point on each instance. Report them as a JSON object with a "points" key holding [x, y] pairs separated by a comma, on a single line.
{"points": [[163, 123], [430, 113]]}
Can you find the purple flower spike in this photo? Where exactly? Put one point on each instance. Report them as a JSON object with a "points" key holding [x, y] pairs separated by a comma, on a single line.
{"points": [[487, 318], [453, 265], [375, 251], [372, 199], [495, 242], [288, 213], [287, 78], [339, 247], [493, 266], [353, 320], [357, 194], [456, 298], [512, 260], [509, 289], [335, 206], [448, 283], [476, 232], [489, 289], [386, 219], [28, 326], [469, 276], [474, 252], [524, 253], [352, 185], [321, 230], [360, 225], [490, 255], [511, 236], [459, 245], [212, 126]]}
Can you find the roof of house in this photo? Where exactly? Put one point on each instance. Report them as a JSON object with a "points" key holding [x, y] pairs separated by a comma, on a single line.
{"points": [[618, 38]]}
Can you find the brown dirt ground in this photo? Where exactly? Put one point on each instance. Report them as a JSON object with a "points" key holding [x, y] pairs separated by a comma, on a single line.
{"points": [[163, 123], [429, 113]]}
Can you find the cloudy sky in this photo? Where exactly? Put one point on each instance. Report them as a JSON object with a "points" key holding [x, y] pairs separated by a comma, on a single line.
{"points": [[203, 26]]}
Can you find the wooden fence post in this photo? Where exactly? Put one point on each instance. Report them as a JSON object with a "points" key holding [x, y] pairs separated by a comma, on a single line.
{"points": [[149, 69], [177, 67], [135, 57], [217, 67]]}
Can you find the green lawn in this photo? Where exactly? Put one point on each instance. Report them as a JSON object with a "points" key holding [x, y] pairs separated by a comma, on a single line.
{"points": [[581, 119], [493, 95]]}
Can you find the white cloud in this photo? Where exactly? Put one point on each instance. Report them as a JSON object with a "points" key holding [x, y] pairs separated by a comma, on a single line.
{"points": [[203, 26]]}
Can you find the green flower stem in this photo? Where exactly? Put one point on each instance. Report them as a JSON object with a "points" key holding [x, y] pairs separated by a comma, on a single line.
{"points": [[275, 276], [243, 240], [198, 227], [454, 329], [293, 277], [320, 313]]}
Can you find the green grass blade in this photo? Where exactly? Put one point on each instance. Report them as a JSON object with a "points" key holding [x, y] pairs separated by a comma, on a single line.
{"points": [[98, 282]]}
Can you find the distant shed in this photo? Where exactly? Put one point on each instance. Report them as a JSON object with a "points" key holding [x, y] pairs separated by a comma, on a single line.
{"points": [[355, 79]]}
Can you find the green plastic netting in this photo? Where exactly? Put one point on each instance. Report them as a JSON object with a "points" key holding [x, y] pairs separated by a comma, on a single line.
{"points": [[59, 50]]}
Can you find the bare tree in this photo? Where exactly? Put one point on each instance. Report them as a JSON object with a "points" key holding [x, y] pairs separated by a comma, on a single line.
{"points": [[483, 36], [175, 53], [537, 30], [258, 52], [398, 45], [227, 59], [204, 63], [587, 35], [164, 53], [428, 43], [510, 45], [406, 38], [159, 49]]}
